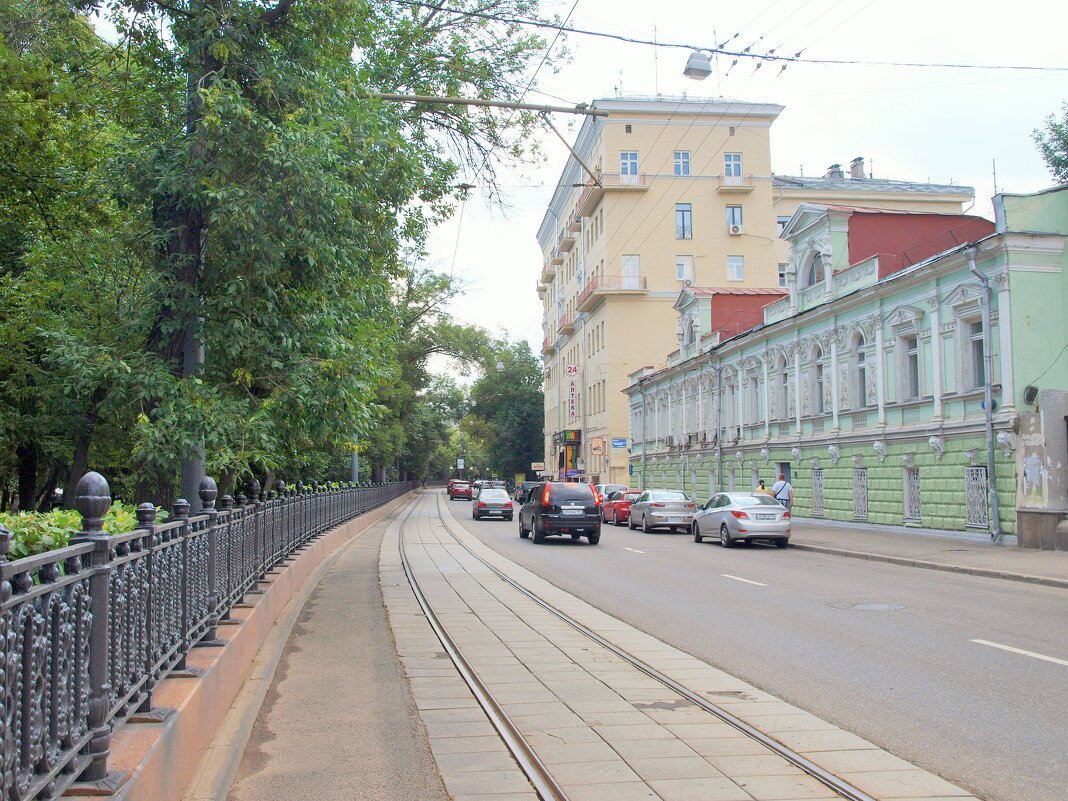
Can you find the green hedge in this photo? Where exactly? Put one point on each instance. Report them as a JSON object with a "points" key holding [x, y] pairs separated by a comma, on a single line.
{"points": [[38, 532]]}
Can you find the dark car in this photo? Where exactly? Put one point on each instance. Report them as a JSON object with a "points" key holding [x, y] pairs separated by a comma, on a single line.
{"points": [[460, 489], [523, 490], [557, 508]]}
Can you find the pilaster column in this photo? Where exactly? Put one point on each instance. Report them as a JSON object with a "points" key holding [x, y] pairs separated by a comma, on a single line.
{"points": [[880, 370], [1004, 310], [797, 392], [936, 362], [834, 381], [767, 399]]}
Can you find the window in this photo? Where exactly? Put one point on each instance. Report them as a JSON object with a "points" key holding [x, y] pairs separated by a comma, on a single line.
{"points": [[860, 493], [632, 272], [683, 221], [817, 492], [754, 399], [734, 215], [784, 390], [860, 362], [818, 400], [911, 353], [814, 274], [782, 274], [628, 162], [912, 494], [780, 224], [732, 165], [684, 268], [735, 268], [976, 360], [682, 162]]}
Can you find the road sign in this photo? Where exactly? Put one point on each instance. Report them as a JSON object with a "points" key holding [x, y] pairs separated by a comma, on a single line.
{"points": [[460, 463], [619, 442], [537, 467]]}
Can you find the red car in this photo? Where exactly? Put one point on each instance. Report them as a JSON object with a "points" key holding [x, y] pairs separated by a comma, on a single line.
{"points": [[616, 507], [460, 489]]}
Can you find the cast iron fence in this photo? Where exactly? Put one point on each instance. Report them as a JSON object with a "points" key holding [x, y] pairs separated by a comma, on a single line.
{"points": [[87, 631]]}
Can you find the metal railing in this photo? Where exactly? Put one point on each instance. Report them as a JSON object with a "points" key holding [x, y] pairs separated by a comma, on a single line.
{"points": [[89, 630]]}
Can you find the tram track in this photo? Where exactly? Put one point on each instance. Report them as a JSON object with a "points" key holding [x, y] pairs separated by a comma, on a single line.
{"points": [[536, 771]]}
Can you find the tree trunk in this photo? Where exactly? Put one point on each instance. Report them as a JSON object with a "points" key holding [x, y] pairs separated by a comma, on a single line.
{"points": [[27, 456], [79, 465], [44, 499]]}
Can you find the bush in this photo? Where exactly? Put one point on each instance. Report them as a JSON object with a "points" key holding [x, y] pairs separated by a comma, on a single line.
{"points": [[38, 532]]}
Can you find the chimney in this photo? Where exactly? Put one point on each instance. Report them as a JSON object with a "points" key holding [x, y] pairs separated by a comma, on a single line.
{"points": [[834, 171], [856, 168]]}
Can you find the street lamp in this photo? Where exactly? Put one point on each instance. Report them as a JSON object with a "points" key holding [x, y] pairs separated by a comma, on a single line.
{"points": [[698, 67]]}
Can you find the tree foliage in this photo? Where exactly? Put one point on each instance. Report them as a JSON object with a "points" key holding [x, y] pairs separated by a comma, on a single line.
{"points": [[222, 173], [1052, 143]]}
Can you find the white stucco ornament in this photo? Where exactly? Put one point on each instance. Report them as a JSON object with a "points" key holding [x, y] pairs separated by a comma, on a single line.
{"points": [[739, 456], [796, 453], [880, 449], [1007, 442], [909, 459], [834, 453], [765, 454], [858, 460], [938, 446]]}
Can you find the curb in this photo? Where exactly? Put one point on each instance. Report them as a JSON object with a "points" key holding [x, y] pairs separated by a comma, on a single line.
{"points": [[983, 572]]}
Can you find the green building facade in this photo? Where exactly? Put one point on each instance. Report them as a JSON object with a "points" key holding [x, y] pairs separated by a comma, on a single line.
{"points": [[865, 383]]}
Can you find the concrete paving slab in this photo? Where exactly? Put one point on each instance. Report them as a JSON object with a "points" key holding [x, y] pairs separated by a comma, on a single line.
{"points": [[685, 767], [710, 789], [775, 788]]}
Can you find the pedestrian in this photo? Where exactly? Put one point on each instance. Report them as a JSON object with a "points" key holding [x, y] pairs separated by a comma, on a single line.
{"points": [[783, 491], [762, 488]]}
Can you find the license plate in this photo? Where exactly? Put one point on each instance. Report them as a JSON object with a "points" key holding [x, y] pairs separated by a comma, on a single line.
{"points": [[676, 519], [572, 512], [764, 517]]}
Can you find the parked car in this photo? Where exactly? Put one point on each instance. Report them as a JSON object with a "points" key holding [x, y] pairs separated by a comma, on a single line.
{"points": [[460, 489], [523, 489], [737, 516], [604, 490], [616, 507], [661, 509], [558, 508], [492, 502]]}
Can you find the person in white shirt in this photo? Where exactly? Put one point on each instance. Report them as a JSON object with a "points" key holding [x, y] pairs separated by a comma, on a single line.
{"points": [[783, 491]]}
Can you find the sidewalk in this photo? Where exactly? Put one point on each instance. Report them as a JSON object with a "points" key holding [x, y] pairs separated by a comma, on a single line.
{"points": [[957, 553]]}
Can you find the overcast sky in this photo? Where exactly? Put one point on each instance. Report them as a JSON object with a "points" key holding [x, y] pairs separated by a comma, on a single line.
{"points": [[938, 124]]}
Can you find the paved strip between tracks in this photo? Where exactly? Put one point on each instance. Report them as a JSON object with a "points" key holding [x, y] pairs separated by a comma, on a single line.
{"points": [[603, 728]]}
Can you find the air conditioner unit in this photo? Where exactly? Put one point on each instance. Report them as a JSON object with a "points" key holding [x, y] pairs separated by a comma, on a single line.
{"points": [[735, 230], [688, 282]]}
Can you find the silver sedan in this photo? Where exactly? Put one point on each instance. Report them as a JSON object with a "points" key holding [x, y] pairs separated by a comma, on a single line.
{"points": [[737, 516], [661, 508]]}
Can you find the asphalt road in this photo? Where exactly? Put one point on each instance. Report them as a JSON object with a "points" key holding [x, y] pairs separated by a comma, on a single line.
{"points": [[881, 650]]}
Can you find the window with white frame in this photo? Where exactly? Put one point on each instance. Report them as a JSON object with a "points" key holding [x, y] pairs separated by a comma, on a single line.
{"points": [[814, 274], [732, 165], [684, 268], [628, 162], [753, 415], [782, 273], [734, 215], [910, 367], [860, 373], [631, 268], [682, 162], [783, 371], [817, 376], [683, 221], [976, 356], [735, 268]]}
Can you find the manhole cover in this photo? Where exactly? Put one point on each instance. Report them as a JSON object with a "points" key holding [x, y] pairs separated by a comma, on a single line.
{"points": [[868, 606]]}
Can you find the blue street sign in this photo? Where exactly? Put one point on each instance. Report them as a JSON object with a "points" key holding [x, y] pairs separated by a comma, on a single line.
{"points": [[619, 442]]}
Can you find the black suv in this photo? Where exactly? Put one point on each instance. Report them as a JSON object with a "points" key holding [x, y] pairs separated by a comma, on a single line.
{"points": [[523, 490], [557, 508]]}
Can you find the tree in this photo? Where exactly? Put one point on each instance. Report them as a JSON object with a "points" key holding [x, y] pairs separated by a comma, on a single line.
{"points": [[507, 409], [1052, 143]]}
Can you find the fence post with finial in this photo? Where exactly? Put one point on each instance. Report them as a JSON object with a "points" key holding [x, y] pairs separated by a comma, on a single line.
{"points": [[208, 491]]}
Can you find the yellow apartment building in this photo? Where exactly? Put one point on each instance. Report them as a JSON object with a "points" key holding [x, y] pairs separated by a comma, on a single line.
{"points": [[662, 194]]}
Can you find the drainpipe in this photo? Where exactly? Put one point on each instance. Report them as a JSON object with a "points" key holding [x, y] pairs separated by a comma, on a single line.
{"points": [[988, 367], [645, 439]]}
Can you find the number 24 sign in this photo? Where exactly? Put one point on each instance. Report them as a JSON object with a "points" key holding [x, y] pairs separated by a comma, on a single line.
{"points": [[572, 369]]}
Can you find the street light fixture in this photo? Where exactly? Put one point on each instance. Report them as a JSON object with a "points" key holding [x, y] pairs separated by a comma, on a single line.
{"points": [[698, 67]]}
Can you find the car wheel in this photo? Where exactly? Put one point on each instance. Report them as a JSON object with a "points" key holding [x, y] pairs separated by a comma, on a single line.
{"points": [[725, 538], [594, 538], [630, 522], [645, 525], [782, 543], [523, 533], [696, 532], [539, 532]]}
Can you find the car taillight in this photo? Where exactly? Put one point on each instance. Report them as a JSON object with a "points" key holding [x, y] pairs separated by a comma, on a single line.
{"points": [[785, 515], [691, 506], [740, 515], [508, 505], [545, 496], [596, 495], [657, 505], [482, 504]]}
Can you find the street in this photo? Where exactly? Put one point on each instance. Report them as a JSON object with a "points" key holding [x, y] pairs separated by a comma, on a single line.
{"points": [[884, 651]]}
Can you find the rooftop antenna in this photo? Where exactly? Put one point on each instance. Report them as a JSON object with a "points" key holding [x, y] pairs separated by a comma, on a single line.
{"points": [[656, 65], [802, 170], [994, 167]]}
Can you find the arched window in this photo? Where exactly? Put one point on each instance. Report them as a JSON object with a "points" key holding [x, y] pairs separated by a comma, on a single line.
{"points": [[817, 380], [815, 273], [754, 399], [783, 372], [860, 373]]}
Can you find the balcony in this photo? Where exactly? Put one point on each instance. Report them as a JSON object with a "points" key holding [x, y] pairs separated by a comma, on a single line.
{"points": [[735, 183], [567, 241], [574, 223], [548, 347], [548, 272], [610, 182], [602, 286], [567, 324], [541, 289]]}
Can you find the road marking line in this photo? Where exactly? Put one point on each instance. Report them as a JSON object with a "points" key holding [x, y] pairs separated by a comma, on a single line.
{"points": [[1032, 654], [635, 550], [747, 581]]}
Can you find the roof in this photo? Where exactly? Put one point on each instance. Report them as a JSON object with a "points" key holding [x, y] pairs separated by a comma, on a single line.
{"points": [[705, 291], [870, 185]]}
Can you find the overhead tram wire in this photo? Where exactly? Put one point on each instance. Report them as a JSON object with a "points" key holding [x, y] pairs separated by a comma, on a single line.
{"points": [[718, 51]]}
